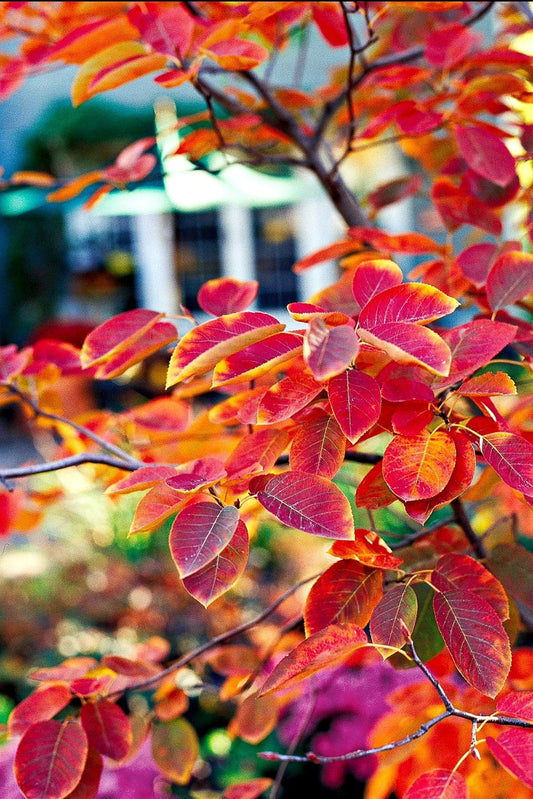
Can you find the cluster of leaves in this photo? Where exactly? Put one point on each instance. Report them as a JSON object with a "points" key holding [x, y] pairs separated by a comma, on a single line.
{"points": [[368, 373]]}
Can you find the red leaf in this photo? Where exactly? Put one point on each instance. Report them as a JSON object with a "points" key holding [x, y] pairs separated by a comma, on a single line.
{"points": [[335, 250], [200, 533], [328, 351], [512, 564], [158, 504], [402, 389], [328, 647], [141, 479], [347, 592], [50, 759], [409, 343], [486, 154], [197, 474], [236, 54], [368, 548], [514, 750], [41, 705], [204, 346], [510, 279], [217, 576], [394, 616], [87, 787], [373, 277], [115, 335], [419, 467], [355, 399], [309, 503], [257, 359], [318, 445], [461, 572], [287, 397], [476, 639], [457, 208], [438, 784], [518, 704], [175, 749], [449, 44], [408, 302], [511, 456], [394, 190], [225, 295], [330, 23], [256, 452], [373, 492], [108, 728], [473, 345], [475, 262]]}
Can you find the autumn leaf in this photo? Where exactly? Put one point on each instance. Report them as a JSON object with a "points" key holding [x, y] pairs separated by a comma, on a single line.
{"points": [[107, 727], [199, 533], [394, 618], [318, 445], [175, 749], [50, 759], [438, 784], [309, 503], [514, 750], [486, 154], [226, 295], [328, 351], [41, 705], [218, 575], [511, 456], [418, 467], [356, 402], [325, 648], [510, 279], [463, 573]]}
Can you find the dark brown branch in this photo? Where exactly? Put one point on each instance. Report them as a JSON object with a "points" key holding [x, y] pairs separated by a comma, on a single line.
{"points": [[461, 517], [30, 470]]}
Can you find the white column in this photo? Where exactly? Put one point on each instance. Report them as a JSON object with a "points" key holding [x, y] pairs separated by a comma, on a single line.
{"points": [[153, 252], [316, 225], [236, 242]]}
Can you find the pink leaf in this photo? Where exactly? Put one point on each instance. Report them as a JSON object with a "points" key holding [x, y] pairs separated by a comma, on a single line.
{"points": [[486, 154], [438, 784], [511, 456], [373, 277], [216, 577], [461, 572], [408, 302], [510, 279], [514, 750], [355, 399], [225, 295], [318, 445], [200, 533], [328, 351]]}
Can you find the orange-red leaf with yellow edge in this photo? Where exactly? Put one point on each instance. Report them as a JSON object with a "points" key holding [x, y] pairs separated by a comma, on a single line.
{"points": [[408, 302], [394, 618], [175, 749], [257, 359], [171, 705], [318, 445], [418, 467], [347, 592], [256, 452], [237, 54], [410, 242], [439, 783], [50, 759], [461, 478], [326, 648], [287, 397], [225, 295], [75, 187], [113, 67], [204, 346], [328, 351], [216, 577], [241, 408], [107, 727], [511, 456], [151, 340], [487, 385], [355, 399], [251, 789], [83, 41], [158, 504], [486, 154], [373, 492], [196, 474], [309, 503], [368, 548], [115, 334], [461, 572], [141, 479], [510, 279], [409, 343], [514, 750], [475, 638], [256, 718], [161, 417], [41, 705], [373, 277], [199, 533]]}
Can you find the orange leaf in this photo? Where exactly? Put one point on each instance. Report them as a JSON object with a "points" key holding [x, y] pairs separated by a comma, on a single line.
{"points": [[287, 397], [248, 790], [318, 445], [326, 648], [158, 504], [257, 359], [373, 492], [175, 749], [347, 592], [487, 385], [256, 717], [368, 548], [204, 346], [113, 67], [418, 467], [75, 187]]}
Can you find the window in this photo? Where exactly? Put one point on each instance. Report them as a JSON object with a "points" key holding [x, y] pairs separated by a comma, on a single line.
{"points": [[275, 254], [197, 253]]}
